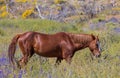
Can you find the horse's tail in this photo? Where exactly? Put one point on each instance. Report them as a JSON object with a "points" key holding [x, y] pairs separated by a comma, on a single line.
{"points": [[12, 48]]}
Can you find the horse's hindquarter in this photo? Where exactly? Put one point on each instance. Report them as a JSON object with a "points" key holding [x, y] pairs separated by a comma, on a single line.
{"points": [[24, 41]]}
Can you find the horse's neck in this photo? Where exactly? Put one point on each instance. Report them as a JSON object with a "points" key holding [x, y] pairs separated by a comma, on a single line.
{"points": [[80, 38], [80, 41]]}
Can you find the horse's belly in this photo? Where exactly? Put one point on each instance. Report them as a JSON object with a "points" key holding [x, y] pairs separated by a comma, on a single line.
{"points": [[50, 54], [48, 48]]}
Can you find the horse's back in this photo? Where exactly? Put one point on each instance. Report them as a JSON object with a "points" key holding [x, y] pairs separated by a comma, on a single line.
{"points": [[49, 40]]}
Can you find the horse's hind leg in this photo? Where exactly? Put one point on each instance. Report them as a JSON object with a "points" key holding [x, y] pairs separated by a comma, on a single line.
{"points": [[23, 53], [27, 53], [23, 61]]}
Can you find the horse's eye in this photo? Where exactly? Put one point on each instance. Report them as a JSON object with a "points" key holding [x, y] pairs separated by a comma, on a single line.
{"points": [[97, 45]]}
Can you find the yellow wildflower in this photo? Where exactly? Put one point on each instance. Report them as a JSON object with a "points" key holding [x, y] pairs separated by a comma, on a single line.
{"points": [[21, 0], [3, 14], [27, 13]]}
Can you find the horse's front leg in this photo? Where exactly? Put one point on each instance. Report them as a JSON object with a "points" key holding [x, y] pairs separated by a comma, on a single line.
{"points": [[58, 61], [67, 51], [67, 55], [68, 59]]}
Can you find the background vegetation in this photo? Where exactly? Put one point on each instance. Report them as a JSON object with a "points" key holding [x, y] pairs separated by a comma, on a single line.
{"points": [[106, 23]]}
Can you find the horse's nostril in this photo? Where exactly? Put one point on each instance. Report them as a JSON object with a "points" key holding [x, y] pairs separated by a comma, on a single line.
{"points": [[98, 55]]}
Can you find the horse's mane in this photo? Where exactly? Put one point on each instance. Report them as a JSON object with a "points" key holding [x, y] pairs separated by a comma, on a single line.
{"points": [[77, 38]]}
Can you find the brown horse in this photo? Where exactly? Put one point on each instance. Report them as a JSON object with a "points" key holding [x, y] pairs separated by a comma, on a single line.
{"points": [[61, 45]]}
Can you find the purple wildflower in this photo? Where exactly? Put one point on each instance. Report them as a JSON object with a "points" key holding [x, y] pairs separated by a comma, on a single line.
{"points": [[65, 69], [20, 74], [41, 70], [15, 76], [117, 30], [113, 20], [49, 75], [1, 74], [31, 68], [3, 61], [7, 71]]}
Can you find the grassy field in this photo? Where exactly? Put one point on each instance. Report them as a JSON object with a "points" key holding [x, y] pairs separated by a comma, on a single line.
{"points": [[82, 66]]}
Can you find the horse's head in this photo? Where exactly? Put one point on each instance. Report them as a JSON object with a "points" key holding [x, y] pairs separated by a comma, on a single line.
{"points": [[94, 46]]}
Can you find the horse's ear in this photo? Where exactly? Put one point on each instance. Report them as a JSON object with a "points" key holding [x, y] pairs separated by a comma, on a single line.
{"points": [[93, 36]]}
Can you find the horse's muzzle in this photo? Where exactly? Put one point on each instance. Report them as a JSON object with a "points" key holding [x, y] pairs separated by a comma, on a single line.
{"points": [[98, 55]]}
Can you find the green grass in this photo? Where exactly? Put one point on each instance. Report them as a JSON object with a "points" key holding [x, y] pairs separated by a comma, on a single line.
{"points": [[82, 66]]}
